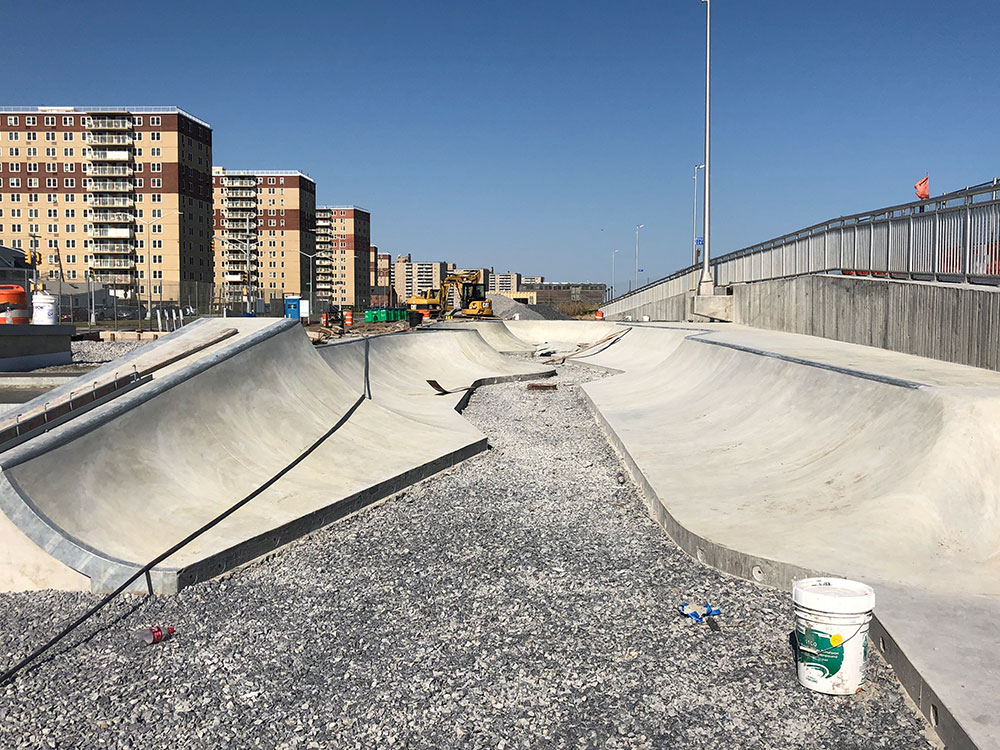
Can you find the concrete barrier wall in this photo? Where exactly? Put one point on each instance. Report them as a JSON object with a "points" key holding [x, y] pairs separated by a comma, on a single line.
{"points": [[951, 322]]}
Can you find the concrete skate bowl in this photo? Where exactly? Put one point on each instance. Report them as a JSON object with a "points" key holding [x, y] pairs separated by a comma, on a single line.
{"points": [[814, 469], [397, 368], [773, 468], [89, 502], [509, 336]]}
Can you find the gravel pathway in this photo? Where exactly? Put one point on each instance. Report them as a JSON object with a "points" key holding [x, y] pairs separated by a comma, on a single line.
{"points": [[522, 599]]}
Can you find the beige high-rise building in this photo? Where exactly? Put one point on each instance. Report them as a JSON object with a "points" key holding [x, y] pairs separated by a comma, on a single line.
{"points": [[343, 248], [504, 282], [410, 278], [119, 194], [264, 222]]}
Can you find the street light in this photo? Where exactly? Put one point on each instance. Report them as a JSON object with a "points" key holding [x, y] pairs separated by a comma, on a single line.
{"points": [[246, 250], [613, 254], [149, 272], [707, 286], [637, 228], [694, 218]]}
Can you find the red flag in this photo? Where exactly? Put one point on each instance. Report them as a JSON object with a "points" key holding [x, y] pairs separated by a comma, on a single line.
{"points": [[923, 187]]}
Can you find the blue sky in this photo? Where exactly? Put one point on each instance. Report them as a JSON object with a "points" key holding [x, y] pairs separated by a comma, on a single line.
{"points": [[534, 136]]}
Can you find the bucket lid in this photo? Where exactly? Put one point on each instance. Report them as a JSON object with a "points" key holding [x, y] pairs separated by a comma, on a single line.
{"points": [[835, 595]]}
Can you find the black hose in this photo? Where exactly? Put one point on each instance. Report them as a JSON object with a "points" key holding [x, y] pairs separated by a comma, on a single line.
{"points": [[144, 570]]}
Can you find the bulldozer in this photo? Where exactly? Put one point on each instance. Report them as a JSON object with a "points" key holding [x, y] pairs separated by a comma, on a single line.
{"points": [[467, 287]]}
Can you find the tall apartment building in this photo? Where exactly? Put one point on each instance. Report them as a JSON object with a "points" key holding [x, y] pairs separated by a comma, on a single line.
{"points": [[504, 282], [409, 278], [264, 222], [343, 247], [532, 279], [119, 194]]}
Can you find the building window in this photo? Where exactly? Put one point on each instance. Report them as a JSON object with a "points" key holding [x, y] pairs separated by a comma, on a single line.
{"points": [[154, 120], [154, 136], [68, 120], [155, 182], [67, 135], [156, 229], [155, 151], [156, 167], [67, 152], [12, 120], [34, 120], [137, 119]]}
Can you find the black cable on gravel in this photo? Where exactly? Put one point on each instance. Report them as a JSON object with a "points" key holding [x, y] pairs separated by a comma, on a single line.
{"points": [[521, 599]]}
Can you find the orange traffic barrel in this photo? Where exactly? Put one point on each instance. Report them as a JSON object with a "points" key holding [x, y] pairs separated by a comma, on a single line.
{"points": [[14, 303], [599, 315], [348, 318], [426, 317]]}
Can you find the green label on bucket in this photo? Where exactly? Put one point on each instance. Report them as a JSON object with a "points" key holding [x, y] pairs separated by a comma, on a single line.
{"points": [[817, 650]]}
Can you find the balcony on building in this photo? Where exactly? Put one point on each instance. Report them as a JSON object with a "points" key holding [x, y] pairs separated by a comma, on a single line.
{"points": [[239, 181], [118, 233], [109, 201], [109, 170], [106, 247], [108, 139], [112, 217], [234, 214], [108, 123], [238, 203], [238, 193], [111, 186], [117, 263], [108, 155], [114, 278]]}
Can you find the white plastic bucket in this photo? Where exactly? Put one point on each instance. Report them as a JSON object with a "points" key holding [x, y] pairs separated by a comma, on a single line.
{"points": [[43, 309], [832, 617]]}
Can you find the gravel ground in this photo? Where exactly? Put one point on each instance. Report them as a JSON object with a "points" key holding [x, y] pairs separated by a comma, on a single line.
{"points": [[505, 308], [99, 352], [522, 599]]}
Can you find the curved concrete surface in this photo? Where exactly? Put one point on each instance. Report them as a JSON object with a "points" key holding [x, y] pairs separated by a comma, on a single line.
{"points": [[773, 456], [110, 490]]}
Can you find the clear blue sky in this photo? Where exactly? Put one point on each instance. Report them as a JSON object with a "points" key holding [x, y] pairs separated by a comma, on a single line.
{"points": [[534, 136]]}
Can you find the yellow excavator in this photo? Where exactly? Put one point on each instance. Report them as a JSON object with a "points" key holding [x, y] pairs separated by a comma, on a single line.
{"points": [[471, 295]]}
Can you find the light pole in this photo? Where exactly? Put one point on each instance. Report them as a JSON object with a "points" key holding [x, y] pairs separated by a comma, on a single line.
{"points": [[637, 228], [149, 272], [707, 286], [613, 254], [694, 218]]}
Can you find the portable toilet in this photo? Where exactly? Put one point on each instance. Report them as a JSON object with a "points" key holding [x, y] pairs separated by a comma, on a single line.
{"points": [[292, 307]]}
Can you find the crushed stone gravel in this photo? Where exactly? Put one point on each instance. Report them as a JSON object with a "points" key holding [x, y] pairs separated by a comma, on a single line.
{"points": [[99, 352], [521, 599]]}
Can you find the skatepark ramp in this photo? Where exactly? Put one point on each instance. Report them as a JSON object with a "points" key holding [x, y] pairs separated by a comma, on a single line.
{"points": [[87, 503]]}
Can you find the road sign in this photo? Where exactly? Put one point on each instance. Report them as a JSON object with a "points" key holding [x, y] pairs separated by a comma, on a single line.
{"points": [[699, 240]]}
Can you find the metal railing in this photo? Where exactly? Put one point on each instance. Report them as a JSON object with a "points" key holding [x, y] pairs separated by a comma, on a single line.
{"points": [[953, 237]]}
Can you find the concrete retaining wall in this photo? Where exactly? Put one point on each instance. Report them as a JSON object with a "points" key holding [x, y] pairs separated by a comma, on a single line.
{"points": [[951, 322]]}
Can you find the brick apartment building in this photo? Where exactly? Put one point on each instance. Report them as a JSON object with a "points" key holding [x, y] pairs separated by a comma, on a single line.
{"points": [[264, 222], [122, 195], [343, 247], [383, 293]]}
